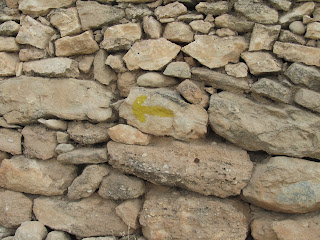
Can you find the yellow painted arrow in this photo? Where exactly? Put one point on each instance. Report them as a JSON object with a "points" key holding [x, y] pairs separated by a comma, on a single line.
{"points": [[139, 111]]}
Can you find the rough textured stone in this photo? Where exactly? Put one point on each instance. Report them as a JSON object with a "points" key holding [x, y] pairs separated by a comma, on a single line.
{"points": [[201, 166], [86, 63], [190, 91], [102, 73], [297, 27], [261, 63], [137, 12], [215, 52], [118, 186], [308, 99], [214, 8], [31, 53], [8, 63], [236, 23], [62, 137], [196, 216], [15, 208], [31, 230], [129, 135], [69, 99], [8, 14], [178, 69], [64, 148], [67, 21], [178, 32], [283, 5], [5, 232], [91, 216], [238, 70], [284, 131], [39, 142], [152, 27], [9, 28], [88, 182], [3, 155], [201, 26], [93, 15], [297, 13], [170, 10], [313, 31], [58, 235], [116, 62], [155, 79], [190, 17], [77, 45], [10, 141], [263, 37], [290, 37], [84, 156], [279, 185], [151, 54], [129, 211], [125, 82], [4, 124], [162, 112], [297, 53], [8, 44], [54, 124], [35, 176], [225, 32], [52, 67]]}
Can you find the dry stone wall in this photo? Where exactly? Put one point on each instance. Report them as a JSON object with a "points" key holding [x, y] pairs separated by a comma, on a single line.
{"points": [[159, 119]]}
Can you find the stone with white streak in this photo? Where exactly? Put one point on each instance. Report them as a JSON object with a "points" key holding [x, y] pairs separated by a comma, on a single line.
{"points": [[10, 141], [308, 99], [8, 64], [54, 124], [263, 37], [297, 13]]}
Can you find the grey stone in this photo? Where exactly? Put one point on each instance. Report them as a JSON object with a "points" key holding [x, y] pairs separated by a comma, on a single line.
{"points": [[9, 28], [31, 230], [297, 27], [58, 235], [215, 8], [308, 99], [155, 79], [64, 148], [178, 69], [234, 22], [283, 5], [6, 232], [84, 156], [290, 37], [31, 53]]}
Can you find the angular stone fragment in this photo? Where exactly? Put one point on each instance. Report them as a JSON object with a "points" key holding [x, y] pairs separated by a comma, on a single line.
{"points": [[290, 37], [261, 62], [279, 185], [31, 230], [190, 91], [8, 44], [201, 26], [313, 30], [66, 20], [34, 33], [41, 7], [155, 79], [129, 135], [297, 13], [102, 73], [62, 137], [225, 32], [91, 216], [116, 63], [152, 27], [297, 53], [263, 37], [151, 54], [216, 52], [215, 8], [201, 166], [15, 208], [308, 99], [196, 216], [129, 211], [93, 15], [77, 45], [170, 10], [8, 14], [3, 123], [8, 63], [84, 156], [125, 82], [10, 141], [137, 12], [52, 67], [283, 5], [58, 235], [88, 182], [238, 70], [287, 130], [234, 22], [54, 124], [36, 177], [9, 28], [86, 63], [178, 32], [118, 186], [162, 112], [6, 232], [31, 53], [178, 69], [68, 99], [257, 11]]}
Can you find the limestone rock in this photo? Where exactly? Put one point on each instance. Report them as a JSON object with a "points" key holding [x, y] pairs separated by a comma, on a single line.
{"points": [[66, 20], [257, 11], [102, 73], [196, 216], [152, 27], [76, 45], [283, 5], [89, 133], [297, 53], [54, 124], [91, 216], [62, 137], [73, 99], [151, 54], [178, 69], [201, 166], [4, 124], [3, 155], [236, 23], [261, 62], [8, 14], [135, 1], [86, 63], [35, 176], [12, 3], [238, 70], [129, 135], [162, 112], [31, 230], [313, 31], [279, 185], [290, 37], [94, 15], [6, 232], [31, 53], [216, 52], [41, 7], [52, 67], [10, 141], [15, 208], [64, 148], [9, 28], [297, 13], [178, 32], [138, 12], [225, 32], [215, 8], [308, 99], [155, 79], [190, 17], [263, 37], [84, 156], [129, 211], [39, 142], [284, 131], [201, 26], [170, 10], [88, 182], [116, 63], [34, 33], [8, 63], [58, 235], [8, 44], [118, 186], [102, 238], [125, 82], [297, 27], [190, 91]]}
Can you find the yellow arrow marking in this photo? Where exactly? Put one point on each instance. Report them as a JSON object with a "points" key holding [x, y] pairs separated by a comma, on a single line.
{"points": [[139, 111]]}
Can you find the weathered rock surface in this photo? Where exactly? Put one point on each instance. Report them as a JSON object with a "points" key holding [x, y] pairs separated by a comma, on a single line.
{"points": [[196, 217], [178, 32], [126, 81], [102, 73], [290, 37], [170, 10], [129, 211], [6, 232], [283, 5], [201, 26], [64, 148], [22, 99], [280, 185], [39, 142], [9, 28], [215, 52], [162, 112], [35, 176], [297, 13], [236, 23], [84, 156], [178, 69], [31, 53], [91, 216], [201, 166], [10, 141], [7, 14], [15, 208], [116, 62], [297, 27], [8, 63], [152, 27], [284, 131], [86, 63], [263, 37], [31, 230], [8, 44], [58, 235], [54, 124], [190, 91], [308, 99], [313, 31], [214, 8], [155, 79], [151, 54], [238, 70]]}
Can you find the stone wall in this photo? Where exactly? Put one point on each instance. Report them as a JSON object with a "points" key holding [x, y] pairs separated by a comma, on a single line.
{"points": [[159, 119]]}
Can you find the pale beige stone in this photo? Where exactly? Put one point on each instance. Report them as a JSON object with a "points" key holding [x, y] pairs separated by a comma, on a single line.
{"points": [[201, 26], [238, 70], [102, 73], [54, 124], [62, 137], [9, 28], [225, 32], [178, 69], [313, 31], [190, 91], [125, 82], [12, 3], [155, 79], [35, 176], [84, 156], [290, 37], [58, 235], [31, 53], [297, 13], [64, 148], [8, 63], [10, 141], [234, 22], [297, 27], [137, 12], [8, 44], [152, 27], [129, 135], [283, 5], [31, 230], [116, 63], [86, 63], [135, 1], [129, 211], [215, 52], [214, 8], [8, 14], [151, 54], [263, 37], [308, 99], [3, 155], [3, 123], [7, 233], [178, 32], [170, 10], [189, 17]]}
